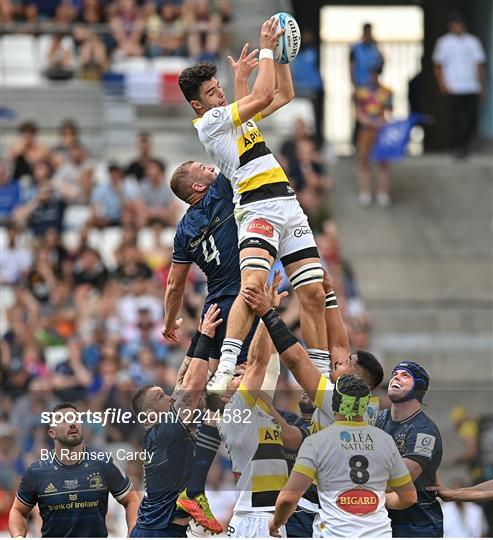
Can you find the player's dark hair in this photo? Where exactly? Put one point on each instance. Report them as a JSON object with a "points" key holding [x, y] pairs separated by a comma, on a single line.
{"points": [[352, 385], [138, 401], [191, 78], [214, 402], [64, 405], [178, 183], [369, 362]]}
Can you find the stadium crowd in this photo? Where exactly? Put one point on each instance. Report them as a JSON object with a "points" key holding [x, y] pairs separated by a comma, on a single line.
{"points": [[87, 35]]}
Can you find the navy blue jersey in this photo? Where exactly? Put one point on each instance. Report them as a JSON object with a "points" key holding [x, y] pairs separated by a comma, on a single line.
{"points": [[303, 425], [207, 235], [167, 473], [73, 499], [417, 438]]}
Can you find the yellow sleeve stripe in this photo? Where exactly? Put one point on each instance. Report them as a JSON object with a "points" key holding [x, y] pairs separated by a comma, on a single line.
{"points": [[258, 117], [247, 397], [320, 394], [268, 483], [400, 481], [236, 114], [263, 405], [303, 469]]}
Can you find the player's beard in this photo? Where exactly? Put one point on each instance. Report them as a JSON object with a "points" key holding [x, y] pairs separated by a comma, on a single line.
{"points": [[70, 442]]}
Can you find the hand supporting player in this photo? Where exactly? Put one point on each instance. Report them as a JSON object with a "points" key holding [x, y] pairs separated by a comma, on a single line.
{"points": [[260, 301], [210, 321], [445, 493], [274, 528]]}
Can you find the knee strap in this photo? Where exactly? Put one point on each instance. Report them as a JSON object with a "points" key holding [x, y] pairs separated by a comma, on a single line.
{"points": [[255, 263], [307, 274]]}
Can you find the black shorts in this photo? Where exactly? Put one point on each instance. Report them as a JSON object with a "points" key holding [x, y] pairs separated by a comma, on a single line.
{"points": [[224, 304]]}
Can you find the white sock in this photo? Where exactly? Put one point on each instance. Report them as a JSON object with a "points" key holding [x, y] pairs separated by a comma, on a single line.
{"points": [[229, 353], [320, 359]]}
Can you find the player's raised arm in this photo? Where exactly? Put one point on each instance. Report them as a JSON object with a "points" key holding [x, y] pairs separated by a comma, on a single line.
{"points": [[292, 353], [261, 365], [336, 331], [187, 396], [243, 68], [284, 90], [263, 90]]}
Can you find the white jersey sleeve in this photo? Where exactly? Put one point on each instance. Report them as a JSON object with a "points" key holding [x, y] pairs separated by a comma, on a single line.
{"points": [[399, 474], [219, 120], [306, 461]]}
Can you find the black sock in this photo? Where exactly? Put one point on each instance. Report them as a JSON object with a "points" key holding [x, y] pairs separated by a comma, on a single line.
{"points": [[208, 442]]}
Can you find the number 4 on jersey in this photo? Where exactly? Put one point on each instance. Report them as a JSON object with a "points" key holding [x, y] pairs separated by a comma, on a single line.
{"points": [[213, 254]]}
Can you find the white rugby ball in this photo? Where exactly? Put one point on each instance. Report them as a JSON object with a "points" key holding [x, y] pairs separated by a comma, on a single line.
{"points": [[288, 45]]}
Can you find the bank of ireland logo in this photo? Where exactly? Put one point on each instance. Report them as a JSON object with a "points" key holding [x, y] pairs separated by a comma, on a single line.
{"points": [[345, 436]]}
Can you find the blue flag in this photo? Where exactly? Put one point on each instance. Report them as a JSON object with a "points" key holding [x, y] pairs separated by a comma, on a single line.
{"points": [[392, 139]]}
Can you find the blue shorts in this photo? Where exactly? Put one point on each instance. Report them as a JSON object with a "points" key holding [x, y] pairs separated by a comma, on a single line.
{"points": [[300, 525], [171, 531], [224, 304]]}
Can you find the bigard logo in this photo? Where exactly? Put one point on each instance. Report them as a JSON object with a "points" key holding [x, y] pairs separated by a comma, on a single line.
{"points": [[358, 501]]}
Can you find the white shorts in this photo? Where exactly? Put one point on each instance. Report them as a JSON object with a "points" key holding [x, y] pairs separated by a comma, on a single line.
{"points": [[278, 225], [251, 525]]}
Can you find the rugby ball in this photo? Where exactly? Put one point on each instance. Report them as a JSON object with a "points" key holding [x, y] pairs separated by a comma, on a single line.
{"points": [[288, 45]]}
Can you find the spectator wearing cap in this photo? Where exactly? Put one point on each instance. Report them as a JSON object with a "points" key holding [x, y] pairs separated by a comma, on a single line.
{"points": [[156, 201], [459, 61]]}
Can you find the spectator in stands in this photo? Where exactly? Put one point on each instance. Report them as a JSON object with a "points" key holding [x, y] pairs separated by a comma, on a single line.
{"points": [[364, 58], [308, 81], [127, 29], [132, 266], [10, 193], [93, 57], [138, 166], [61, 61], [15, 260], [113, 202], [148, 336], [157, 201], [314, 206], [68, 136], [43, 207], [459, 65], [166, 34], [203, 31], [373, 105], [73, 176], [27, 150], [225, 13], [41, 279], [467, 430], [89, 270]]}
